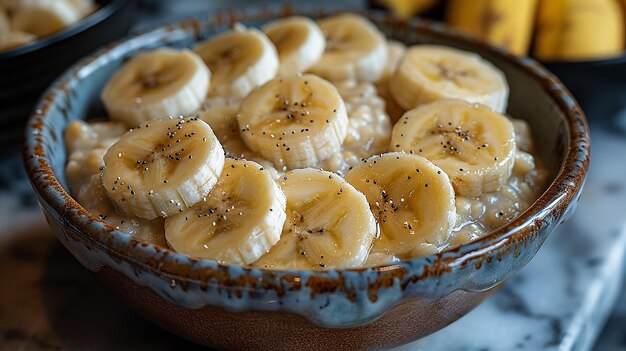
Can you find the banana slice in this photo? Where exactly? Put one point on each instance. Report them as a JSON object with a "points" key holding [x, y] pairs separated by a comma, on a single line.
{"points": [[428, 73], [239, 60], [156, 84], [395, 52], [472, 144], [294, 121], [93, 197], [84, 7], [44, 17], [221, 115], [412, 200], [355, 49], [16, 39], [5, 26], [375, 259], [329, 224], [237, 222], [163, 167], [299, 42]]}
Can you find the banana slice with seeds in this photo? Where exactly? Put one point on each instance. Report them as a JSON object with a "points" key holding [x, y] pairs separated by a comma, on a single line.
{"points": [[472, 144], [428, 73], [240, 60], [299, 42], [156, 84], [295, 121], [355, 49], [221, 115], [329, 224], [163, 167], [237, 222], [412, 200]]}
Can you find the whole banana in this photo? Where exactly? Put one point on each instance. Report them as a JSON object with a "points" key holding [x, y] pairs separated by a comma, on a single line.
{"points": [[501, 22], [579, 29]]}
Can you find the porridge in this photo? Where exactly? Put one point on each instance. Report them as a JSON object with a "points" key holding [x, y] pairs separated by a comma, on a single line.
{"points": [[299, 147]]}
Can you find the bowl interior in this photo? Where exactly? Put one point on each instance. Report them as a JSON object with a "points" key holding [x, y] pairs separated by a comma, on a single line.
{"points": [[559, 129]]}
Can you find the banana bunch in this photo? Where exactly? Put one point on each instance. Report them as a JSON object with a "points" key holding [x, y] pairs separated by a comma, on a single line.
{"points": [[24, 21], [579, 30], [549, 29], [564, 29]]}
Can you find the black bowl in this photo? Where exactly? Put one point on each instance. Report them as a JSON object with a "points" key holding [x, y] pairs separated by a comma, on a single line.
{"points": [[599, 86], [26, 71]]}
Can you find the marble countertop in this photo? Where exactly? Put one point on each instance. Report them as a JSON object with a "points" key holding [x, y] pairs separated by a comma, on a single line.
{"points": [[560, 301]]}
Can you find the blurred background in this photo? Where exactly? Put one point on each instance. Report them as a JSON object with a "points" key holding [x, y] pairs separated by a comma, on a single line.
{"points": [[48, 302]]}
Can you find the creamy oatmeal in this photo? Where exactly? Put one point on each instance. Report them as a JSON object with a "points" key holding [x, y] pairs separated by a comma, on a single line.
{"points": [[303, 172]]}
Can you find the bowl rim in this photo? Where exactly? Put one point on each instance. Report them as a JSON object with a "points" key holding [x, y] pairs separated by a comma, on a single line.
{"points": [[100, 14], [563, 190]]}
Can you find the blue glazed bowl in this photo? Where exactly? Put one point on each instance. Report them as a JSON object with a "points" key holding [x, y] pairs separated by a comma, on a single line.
{"points": [[233, 307]]}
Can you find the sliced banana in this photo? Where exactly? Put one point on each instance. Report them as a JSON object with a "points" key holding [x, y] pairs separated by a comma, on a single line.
{"points": [[299, 42], [44, 17], [294, 121], [163, 167], [329, 224], [156, 84], [237, 222], [412, 200], [375, 259], [395, 52], [93, 197], [5, 26], [428, 73], [221, 115], [355, 49], [84, 7], [240, 60], [472, 144], [16, 39]]}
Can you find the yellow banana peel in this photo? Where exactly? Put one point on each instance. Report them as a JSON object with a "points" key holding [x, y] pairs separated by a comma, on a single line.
{"points": [[507, 23], [408, 8], [579, 29]]}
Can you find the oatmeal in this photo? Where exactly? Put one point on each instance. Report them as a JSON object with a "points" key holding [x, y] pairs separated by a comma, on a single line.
{"points": [[383, 159]]}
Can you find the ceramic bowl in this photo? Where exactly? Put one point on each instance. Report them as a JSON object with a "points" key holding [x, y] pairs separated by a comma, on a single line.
{"points": [[26, 71], [598, 85], [233, 307]]}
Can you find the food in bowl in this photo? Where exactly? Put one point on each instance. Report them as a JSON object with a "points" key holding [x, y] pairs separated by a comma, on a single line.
{"points": [[24, 21], [302, 169]]}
